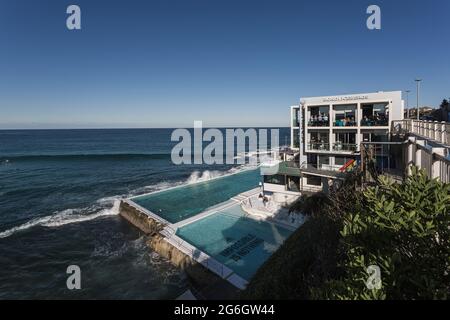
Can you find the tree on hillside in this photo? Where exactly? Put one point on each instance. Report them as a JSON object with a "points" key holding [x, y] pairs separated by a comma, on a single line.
{"points": [[445, 105]]}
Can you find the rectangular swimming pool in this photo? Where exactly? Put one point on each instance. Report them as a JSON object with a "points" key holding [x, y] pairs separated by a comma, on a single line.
{"points": [[180, 203], [241, 243]]}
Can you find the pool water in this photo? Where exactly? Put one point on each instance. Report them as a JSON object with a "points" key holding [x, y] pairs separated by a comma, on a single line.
{"points": [[184, 202], [241, 243]]}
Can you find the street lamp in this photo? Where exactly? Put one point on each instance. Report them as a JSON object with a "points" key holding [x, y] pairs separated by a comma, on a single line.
{"points": [[407, 103], [418, 89]]}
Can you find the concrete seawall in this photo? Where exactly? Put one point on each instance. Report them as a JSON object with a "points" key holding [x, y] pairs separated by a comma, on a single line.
{"points": [[139, 219], [206, 283]]}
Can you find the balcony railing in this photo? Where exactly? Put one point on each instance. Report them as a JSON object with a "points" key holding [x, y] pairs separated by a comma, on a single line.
{"points": [[346, 147], [374, 122], [322, 166], [344, 123], [319, 146], [321, 122], [438, 131]]}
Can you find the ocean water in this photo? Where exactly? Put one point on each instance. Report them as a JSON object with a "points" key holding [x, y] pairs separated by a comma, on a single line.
{"points": [[58, 207]]}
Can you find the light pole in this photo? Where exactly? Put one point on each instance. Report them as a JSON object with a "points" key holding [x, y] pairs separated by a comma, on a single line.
{"points": [[418, 88], [407, 103]]}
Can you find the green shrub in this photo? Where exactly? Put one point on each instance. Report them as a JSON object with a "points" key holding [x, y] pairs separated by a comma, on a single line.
{"points": [[404, 230]]}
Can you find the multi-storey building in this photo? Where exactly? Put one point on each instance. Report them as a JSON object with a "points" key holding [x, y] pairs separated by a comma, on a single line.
{"points": [[326, 135]]}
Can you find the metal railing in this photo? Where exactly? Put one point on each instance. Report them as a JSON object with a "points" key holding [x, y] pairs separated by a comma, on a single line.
{"points": [[319, 123], [433, 130], [374, 122], [435, 154], [345, 147], [319, 146], [444, 169], [344, 123]]}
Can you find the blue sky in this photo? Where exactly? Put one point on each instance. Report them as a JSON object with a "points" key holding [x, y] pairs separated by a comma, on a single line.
{"points": [[167, 63]]}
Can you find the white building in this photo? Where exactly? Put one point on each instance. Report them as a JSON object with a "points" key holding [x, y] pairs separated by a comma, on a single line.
{"points": [[326, 134]]}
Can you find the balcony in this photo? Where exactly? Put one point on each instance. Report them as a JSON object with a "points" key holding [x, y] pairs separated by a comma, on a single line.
{"points": [[375, 115], [345, 123], [344, 147], [319, 146], [320, 121], [380, 121]]}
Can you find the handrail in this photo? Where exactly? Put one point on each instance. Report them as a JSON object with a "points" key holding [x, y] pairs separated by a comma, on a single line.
{"points": [[433, 130], [325, 146], [338, 146]]}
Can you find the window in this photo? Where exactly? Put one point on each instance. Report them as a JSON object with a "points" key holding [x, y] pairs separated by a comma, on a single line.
{"points": [[376, 114], [346, 137], [295, 118], [377, 136], [314, 180], [319, 141], [340, 161], [345, 115], [319, 116], [324, 162], [296, 137], [275, 179], [345, 141], [312, 160], [293, 183]]}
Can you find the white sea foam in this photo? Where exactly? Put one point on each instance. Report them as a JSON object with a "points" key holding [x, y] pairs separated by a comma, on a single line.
{"points": [[198, 176], [64, 217]]}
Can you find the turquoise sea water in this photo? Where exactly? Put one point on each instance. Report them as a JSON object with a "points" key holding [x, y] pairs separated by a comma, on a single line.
{"points": [[181, 203], [242, 244]]}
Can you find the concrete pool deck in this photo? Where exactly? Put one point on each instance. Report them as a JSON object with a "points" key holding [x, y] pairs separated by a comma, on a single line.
{"points": [[151, 223]]}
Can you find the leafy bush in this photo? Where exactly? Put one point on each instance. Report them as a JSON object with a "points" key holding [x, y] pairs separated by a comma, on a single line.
{"points": [[404, 230]]}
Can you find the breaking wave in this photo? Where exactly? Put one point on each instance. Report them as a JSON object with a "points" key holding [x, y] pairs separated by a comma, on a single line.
{"points": [[66, 217]]}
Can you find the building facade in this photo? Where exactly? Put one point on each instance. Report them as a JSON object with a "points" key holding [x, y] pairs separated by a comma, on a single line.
{"points": [[327, 134]]}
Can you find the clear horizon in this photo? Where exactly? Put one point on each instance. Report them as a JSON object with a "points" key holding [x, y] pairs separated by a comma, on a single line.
{"points": [[141, 64]]}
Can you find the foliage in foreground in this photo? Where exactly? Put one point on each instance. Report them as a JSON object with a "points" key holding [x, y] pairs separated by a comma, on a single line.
{"points": [[404, 230], [401, 228]]}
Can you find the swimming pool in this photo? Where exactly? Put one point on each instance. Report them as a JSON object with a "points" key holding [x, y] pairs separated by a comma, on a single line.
{"points": [[242, 244], [180, 203]]}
